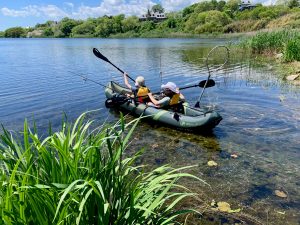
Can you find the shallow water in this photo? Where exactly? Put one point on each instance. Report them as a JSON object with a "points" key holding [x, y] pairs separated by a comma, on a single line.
{"points": [[261, 113]]}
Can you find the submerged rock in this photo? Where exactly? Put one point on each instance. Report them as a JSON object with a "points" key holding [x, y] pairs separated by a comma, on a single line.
{"points": [[280, 194], [212, 163], [292, 77]]}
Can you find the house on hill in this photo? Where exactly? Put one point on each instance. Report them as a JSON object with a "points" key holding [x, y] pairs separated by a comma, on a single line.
{"points": [[153, 16], [246, 5]]}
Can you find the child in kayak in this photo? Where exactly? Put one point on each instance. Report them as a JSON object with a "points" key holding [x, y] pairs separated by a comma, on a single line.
{"points": [[140, 91], [171, 97]]}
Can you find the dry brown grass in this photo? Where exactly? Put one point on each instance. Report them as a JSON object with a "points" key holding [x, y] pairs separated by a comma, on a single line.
{"points": [[287, 21]]}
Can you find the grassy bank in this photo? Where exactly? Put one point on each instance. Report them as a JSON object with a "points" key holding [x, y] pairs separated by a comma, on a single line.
{"points": [[282, 45], [79, 175]]}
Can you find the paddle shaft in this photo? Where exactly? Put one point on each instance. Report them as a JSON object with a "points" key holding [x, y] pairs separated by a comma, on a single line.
{"points": [[100, 56]]}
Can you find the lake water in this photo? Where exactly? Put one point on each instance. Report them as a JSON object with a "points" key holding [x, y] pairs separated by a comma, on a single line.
{"points": [[261, 113]]}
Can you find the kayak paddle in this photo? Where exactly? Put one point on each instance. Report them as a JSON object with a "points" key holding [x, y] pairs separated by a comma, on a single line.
{"points": [[100, 56]]}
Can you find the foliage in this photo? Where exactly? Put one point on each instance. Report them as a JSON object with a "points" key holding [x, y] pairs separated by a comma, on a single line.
{"points": [[1, 34], [292, 50], [130, 24], [270, 42], [209, 16], [207, 22], [66, 25], [87, 27], [79, 175], [157, 8], [293, 3], [48, 32], [233, 5], [15, 32]]}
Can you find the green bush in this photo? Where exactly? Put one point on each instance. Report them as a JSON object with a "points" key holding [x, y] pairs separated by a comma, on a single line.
{"points": [[292, 50], [15, 32], [80, 175], [86, 28]]}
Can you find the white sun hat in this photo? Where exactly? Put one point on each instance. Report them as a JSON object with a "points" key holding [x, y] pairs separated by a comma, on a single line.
{"points": [[171, 86]]}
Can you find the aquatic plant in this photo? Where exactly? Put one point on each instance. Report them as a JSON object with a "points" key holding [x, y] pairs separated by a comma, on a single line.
{"points": [[292, 50], [80, 175], [271, 42]]}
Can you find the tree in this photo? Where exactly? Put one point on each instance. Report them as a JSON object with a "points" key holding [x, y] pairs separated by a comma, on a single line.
{"points": [[105, 27], [1, 34], [157, 8], [66, 25], [86, 28], [233, 5], [293, 3], [14, 32], [48, 32], [130, 24]]}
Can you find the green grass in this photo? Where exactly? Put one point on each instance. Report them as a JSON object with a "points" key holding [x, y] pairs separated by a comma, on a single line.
{"points": [[284, 41], [80, 175], [292, 50]]}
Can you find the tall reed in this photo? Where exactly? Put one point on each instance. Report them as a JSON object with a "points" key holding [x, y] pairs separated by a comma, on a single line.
{"points": [[270, 42], [80, 175]]}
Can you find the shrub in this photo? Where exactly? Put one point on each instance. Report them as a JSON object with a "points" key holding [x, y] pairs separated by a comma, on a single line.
{"points": [[15, 32], [292, 50]]}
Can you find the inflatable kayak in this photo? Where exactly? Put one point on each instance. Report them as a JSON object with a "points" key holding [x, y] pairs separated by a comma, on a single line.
{"points": [[189, 118]]}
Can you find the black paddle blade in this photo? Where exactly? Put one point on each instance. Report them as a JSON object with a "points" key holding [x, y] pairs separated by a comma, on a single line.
{"points": [[210, 83], [197, 105], [99, 55]]}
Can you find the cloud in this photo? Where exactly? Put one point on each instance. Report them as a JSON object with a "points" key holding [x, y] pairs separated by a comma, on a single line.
{"points": [[174, 5], [70, 4], [49, 11], [106, 7], [30, 10]]}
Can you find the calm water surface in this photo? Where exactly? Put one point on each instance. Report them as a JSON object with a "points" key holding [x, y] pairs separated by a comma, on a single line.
{"points": [[261, 113]]}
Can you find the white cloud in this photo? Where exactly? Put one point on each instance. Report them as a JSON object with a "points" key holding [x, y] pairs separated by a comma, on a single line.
{"points": [[174, 5], [53, 12], [70, 4], [30, 10], [106, 7]]}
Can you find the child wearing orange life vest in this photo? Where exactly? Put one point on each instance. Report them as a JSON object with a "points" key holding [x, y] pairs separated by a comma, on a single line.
{"points": [[140, 91], [172, 96]]}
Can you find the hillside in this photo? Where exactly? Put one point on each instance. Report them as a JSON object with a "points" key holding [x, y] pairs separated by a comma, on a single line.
{"points": [[209, 17]]}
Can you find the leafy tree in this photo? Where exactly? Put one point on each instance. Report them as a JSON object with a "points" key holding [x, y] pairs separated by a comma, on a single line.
{"points": [[1, 34], [66, 25], [105, 27], [147, 26], [233, 5], [48, 32], [86, 27], [220, 6], [205, 6], [157, 8], [207, 22], [293, 3], [189, 10], [15, 32], [130, 24]]}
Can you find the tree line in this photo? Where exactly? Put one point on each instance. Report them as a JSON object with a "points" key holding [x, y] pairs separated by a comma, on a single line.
{"points": [[205, 17]]}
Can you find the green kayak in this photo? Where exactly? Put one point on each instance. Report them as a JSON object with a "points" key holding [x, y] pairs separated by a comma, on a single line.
{"points": [[190, 118]]}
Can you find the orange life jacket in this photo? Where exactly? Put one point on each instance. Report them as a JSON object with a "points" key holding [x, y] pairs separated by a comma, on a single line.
{"points": [[175, 99], [142, 94]]}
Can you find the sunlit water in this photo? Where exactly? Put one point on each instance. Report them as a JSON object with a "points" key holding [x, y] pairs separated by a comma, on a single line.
{"points": [[261, 113]]}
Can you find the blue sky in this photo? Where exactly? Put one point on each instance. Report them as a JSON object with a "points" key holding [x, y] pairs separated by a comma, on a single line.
{"points": [[28, 13]]}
